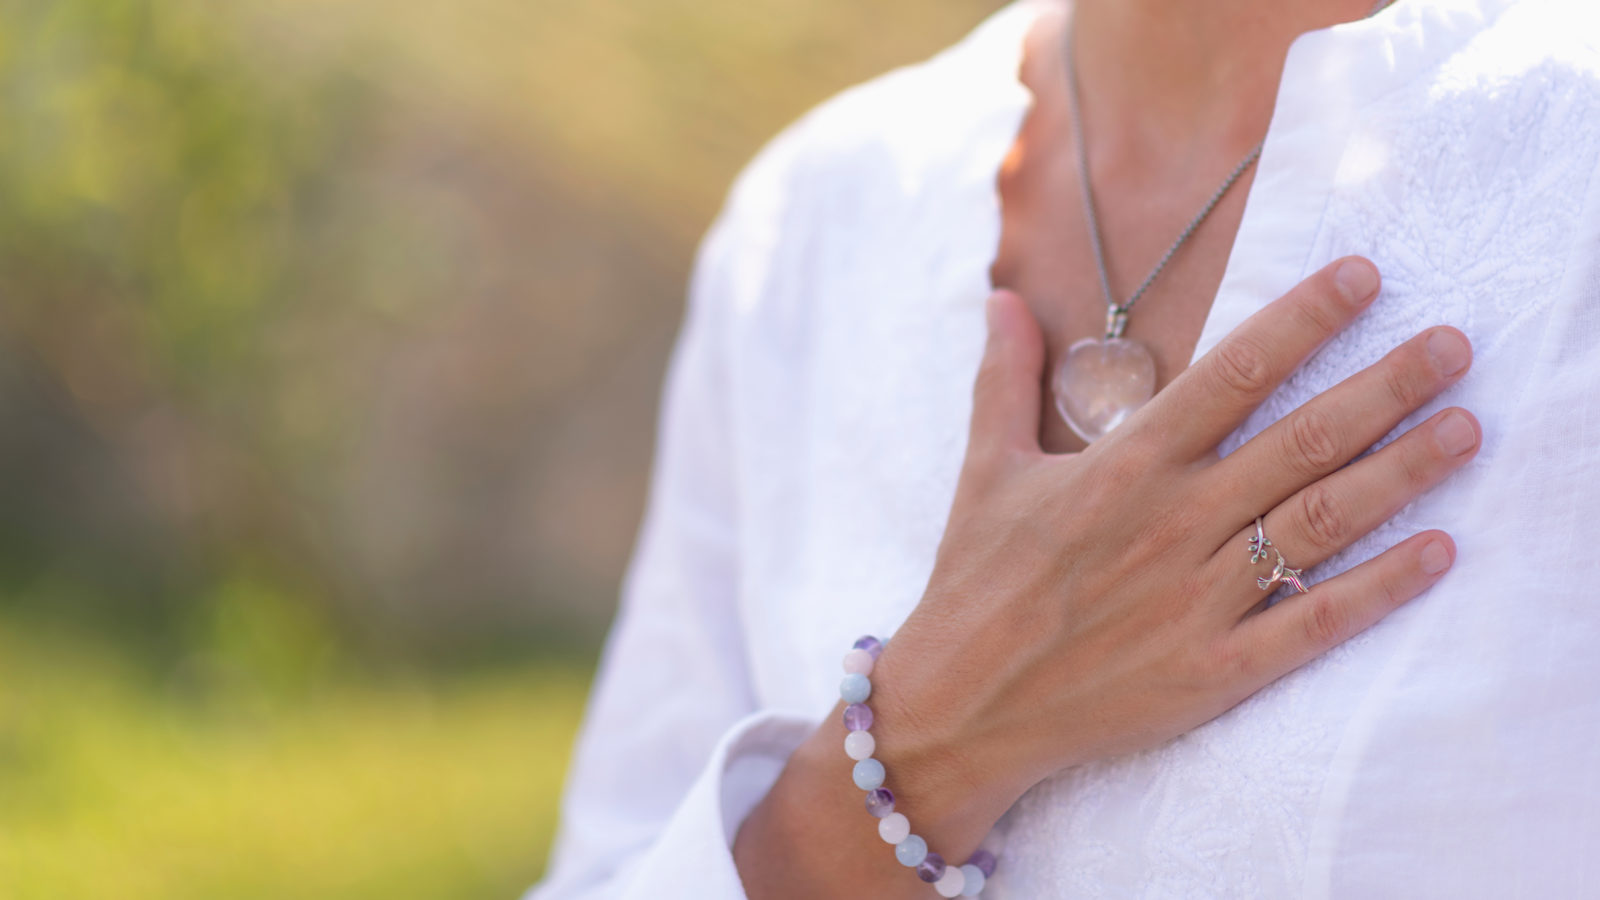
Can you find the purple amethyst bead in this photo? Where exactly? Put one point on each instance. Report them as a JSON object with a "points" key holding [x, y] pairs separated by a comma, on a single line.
{"points": [[870, 644], [985, 862], [858, 717], [880, 802], [932, 868]]}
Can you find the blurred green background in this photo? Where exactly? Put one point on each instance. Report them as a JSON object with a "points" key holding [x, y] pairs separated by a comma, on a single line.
{"points": [[330, 338]]}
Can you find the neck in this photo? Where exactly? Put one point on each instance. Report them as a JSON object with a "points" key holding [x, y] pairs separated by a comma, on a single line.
{"points": [[1202, 71]]}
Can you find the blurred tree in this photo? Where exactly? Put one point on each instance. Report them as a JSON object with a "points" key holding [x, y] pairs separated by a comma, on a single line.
{"points": [[332, 330], [363, 306], [153, 189]]}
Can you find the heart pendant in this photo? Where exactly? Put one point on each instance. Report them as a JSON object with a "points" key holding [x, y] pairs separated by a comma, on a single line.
{"points": [[1102, 381]]}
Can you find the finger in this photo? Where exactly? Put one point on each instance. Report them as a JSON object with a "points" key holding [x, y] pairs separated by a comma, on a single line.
{"points": [[1329, 515], [1286, 636], [1336, 425], [1211, 398], [1005, 401]]}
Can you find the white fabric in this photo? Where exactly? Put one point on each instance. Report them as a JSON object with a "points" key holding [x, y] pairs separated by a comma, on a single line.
{"points": [[816, 416]]}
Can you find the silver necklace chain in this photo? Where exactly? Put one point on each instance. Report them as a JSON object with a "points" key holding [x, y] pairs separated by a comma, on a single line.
{"points": [[1117, 313]]}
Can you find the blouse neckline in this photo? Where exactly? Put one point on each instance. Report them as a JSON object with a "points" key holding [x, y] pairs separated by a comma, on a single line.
{"points": [[1328, 76]]}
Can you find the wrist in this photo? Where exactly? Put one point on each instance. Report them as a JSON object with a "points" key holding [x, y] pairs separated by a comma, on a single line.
{"points": [[952, 784]]}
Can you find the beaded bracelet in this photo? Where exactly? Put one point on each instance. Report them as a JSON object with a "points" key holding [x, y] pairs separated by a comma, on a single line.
{"points": [[910, 849]]}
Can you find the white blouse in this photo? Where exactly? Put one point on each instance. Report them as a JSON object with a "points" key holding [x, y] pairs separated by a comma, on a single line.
{"points": [[816, 415]]}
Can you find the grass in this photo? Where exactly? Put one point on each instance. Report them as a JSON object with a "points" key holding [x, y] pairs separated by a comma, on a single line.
{"points": [[115, 785]]}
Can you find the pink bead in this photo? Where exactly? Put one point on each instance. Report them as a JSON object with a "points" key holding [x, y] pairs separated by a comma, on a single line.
{"points": [[951, 882], [894, 828], [858, 662]]}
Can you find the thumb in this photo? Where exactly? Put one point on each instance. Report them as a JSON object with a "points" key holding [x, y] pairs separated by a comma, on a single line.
{"points": [[1005, 398]]}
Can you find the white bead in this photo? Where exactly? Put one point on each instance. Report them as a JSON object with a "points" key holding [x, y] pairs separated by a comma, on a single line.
{"points": [[858, 662], [894, 828], [952, 882], [859, 745]]}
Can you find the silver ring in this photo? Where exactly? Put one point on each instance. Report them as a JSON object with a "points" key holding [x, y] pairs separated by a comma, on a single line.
{"points": [[1281, 573]]}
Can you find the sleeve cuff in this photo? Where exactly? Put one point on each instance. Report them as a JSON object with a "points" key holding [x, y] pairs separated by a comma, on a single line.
{"points": [[695, 852], [692, 856]]}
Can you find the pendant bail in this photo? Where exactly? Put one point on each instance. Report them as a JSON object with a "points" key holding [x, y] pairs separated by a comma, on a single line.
{"points": [[1116, 321]]}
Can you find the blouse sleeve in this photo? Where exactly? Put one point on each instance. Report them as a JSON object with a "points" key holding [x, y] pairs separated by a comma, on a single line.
{"points": [[674, 751]]}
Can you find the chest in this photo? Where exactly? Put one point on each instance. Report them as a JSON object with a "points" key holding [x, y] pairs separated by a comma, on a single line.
{"points": [[851, 395], [1046, 256], [1046, 249]]}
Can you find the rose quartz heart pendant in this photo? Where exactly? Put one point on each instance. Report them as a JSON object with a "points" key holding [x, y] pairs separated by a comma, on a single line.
{"points": [[1102, 381]]}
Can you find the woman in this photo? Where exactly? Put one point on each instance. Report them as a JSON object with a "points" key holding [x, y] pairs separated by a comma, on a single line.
{"points": [[1083, 674]]}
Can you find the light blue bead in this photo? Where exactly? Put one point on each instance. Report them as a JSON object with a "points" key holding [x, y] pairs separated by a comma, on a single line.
{"points": [[911, 851], [855, 688], [975, 879], [868, 774]]}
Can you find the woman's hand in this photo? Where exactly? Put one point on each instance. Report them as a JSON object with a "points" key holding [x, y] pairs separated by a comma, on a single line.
{"points": [[1096, 603], [1091, 604]]}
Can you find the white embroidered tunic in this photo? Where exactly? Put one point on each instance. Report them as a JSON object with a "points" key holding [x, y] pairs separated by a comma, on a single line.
{"points": [[815, 420]]}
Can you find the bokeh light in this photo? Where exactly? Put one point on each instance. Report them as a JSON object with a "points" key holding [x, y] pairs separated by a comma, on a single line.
{"points": [[331, 333]]}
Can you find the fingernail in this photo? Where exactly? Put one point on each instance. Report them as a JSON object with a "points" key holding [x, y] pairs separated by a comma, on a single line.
{"points": [[1449, 351], [1435, 558], [1357, 280], [1455, 434]]}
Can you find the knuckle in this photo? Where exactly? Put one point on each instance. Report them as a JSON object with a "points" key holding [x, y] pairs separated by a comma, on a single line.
{"points": [[1326, 621], [1392, 589], [991, 463], [1326, 522], [1323, 313], [980, 470], [1402, 385], [1187, 519], [1312, 442], [1243, 367], [1232, 662], [1417, 464], [1124, 463]]}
